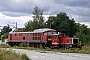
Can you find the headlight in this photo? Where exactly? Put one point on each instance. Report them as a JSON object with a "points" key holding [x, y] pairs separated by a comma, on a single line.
{"points": [[70, 45]]}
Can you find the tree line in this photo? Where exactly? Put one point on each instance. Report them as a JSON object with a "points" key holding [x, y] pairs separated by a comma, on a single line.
{"points": [[61, 22]]}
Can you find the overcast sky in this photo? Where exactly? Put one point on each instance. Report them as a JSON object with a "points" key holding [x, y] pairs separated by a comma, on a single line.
{"points": [[20, 11]]}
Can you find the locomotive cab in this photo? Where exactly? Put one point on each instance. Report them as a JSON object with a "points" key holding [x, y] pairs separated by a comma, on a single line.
{"points": [[55, 41], [50, 36], [64, 41]]}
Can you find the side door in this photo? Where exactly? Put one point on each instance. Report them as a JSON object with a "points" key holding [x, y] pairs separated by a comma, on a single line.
{"points": [[10, 36]]}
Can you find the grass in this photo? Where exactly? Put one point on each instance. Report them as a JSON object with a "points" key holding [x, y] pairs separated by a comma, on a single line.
{"points": [[85, 49], [5, 46], [10, 54]]}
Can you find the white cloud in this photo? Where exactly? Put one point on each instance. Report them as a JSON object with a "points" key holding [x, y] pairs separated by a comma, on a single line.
{"points": [[20, 10], [86, 23], [20, 20]]}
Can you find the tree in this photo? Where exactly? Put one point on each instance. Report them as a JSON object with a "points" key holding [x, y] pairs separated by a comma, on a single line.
{"points": [[6, 29], [72, 28], [49, 23], [20, 30], [38, 16], [62, 24], [37, 22], [28, 26], [4, 32], [83, 33]]}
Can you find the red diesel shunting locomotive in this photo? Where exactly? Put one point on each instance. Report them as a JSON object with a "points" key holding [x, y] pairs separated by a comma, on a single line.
{"points": [[46, 37]]}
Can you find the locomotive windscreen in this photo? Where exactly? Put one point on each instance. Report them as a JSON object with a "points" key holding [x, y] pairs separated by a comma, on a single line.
{"points": [[75, 41]]}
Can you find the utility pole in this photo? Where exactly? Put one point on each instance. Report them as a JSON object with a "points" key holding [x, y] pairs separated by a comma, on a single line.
{"points": [[14, 26], [0, 32], [51, 21], [8, 28]]}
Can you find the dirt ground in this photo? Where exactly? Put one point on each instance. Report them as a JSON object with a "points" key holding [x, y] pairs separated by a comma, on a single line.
{"points": [[48, 55]]}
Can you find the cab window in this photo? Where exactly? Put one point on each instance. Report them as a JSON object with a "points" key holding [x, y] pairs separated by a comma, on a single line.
{"points": [[45, 34], [54, 33], [49, 33]]}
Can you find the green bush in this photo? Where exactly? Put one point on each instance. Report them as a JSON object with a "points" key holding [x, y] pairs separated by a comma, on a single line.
{"points": [[84, 50], [12, 55], [4, 46], [4, 36], [41, 47], [24, 57]]}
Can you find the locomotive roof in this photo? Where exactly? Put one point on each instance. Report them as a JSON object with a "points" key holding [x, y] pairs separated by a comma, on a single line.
{"points": [[43, 30], [19, 32], [35, 31]]}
